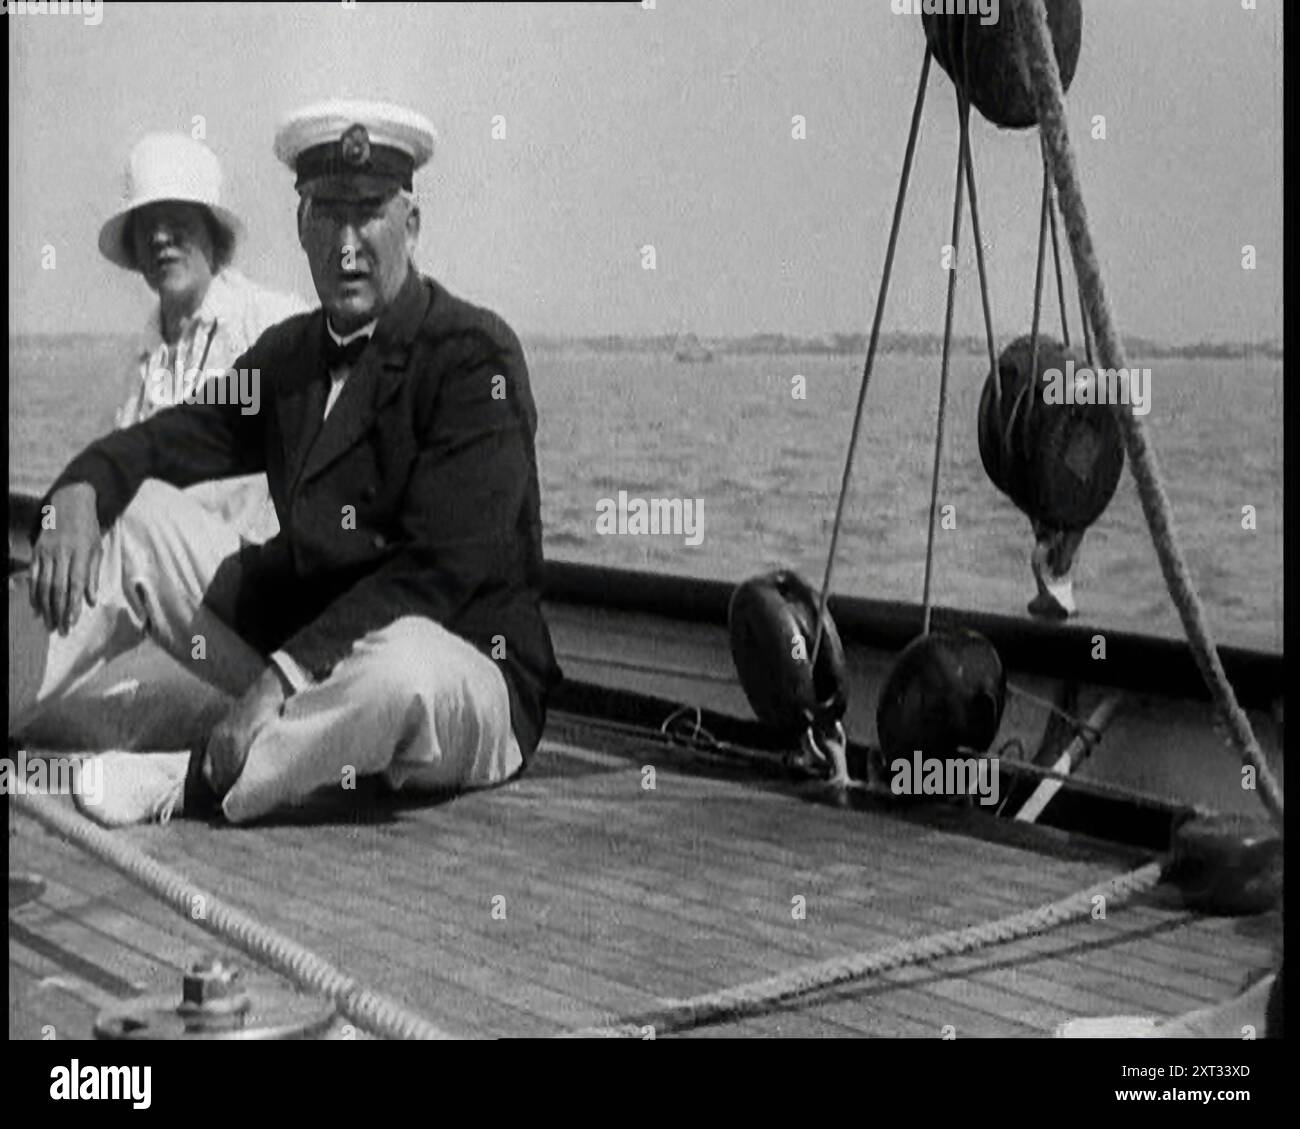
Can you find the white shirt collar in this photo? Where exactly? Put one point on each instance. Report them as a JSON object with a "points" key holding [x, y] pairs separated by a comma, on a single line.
{"points": [[365, 331]]}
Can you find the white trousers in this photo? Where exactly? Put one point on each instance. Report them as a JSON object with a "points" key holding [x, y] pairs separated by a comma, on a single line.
{"points": [[412, 701], [143, 698]]}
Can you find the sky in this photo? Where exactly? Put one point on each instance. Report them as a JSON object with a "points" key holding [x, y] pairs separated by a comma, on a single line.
{"points": [[672, 127]]}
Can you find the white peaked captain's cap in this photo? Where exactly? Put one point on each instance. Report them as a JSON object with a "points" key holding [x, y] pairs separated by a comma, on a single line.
{"points": [[342, 137]]}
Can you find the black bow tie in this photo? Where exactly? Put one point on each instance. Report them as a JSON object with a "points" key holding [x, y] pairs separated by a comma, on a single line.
{"points": [[344, 356]]}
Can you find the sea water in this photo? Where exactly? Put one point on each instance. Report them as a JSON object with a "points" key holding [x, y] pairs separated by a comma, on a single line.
{"points": [[766, 462]]}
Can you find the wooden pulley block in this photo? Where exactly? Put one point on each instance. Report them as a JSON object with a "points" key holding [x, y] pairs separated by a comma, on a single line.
{"points": [[214, 1004], [982, 58], [944, 697], [772, 621], [1059, 462]]}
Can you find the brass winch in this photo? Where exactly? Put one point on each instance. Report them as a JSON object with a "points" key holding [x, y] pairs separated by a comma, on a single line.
{"points": [[216, 1004]]}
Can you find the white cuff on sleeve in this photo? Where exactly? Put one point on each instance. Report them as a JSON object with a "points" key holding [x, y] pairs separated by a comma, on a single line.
{"points": [[298, 678]]}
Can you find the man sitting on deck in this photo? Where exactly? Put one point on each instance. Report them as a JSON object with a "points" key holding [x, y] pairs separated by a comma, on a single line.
{"points": [[394, 624]]}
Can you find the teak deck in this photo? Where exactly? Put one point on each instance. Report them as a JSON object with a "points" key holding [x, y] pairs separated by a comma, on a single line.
{"points": [[618, 897]]}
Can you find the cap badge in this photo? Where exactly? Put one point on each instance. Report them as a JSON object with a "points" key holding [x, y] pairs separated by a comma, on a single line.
{"points": [[354, 146]]}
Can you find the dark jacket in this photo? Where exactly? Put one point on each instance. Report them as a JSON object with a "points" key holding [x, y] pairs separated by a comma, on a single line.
{"points": [[431, 445]]}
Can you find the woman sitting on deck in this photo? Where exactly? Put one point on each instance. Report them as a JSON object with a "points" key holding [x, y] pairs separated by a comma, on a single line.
{"points": [[173, 231]]}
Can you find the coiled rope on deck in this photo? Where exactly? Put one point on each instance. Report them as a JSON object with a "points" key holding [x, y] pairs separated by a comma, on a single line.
{"points": [[369, 1010], [1035, 40], [763, 996]]}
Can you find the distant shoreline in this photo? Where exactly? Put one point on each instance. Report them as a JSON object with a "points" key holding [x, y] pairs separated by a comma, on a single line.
{"points": [[779, 344]]}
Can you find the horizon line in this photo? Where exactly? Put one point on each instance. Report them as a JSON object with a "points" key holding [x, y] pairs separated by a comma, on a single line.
{"points": [[824, 338]]}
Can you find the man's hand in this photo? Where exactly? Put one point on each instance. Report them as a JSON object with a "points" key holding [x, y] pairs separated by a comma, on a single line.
{"points": [[230, 739], [65, 558]]}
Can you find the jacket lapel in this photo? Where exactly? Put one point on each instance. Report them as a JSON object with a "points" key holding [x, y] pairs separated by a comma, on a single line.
{"points": [[350, 418], [301, 404], [375, 380]]}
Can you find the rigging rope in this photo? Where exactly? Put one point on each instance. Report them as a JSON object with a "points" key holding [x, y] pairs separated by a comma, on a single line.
{"points": [[1038, 279], [1036, 43], [1060, 278], [1087, 335], [1077, 723], [994, 367], [963, 118], [871, 352], [763, 996], [368, 1010]]}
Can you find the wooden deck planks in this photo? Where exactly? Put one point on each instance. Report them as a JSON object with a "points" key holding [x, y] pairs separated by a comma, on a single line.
{"points": [[95, 936], [617, 899], [532, 974], [566, 895], [39, 1009], [574, 926]]}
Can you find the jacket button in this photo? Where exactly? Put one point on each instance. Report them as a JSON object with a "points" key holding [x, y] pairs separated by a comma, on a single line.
{"points": [[379, 541], [368, 494]]}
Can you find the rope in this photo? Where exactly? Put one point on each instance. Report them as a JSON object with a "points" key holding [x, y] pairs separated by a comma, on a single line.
{"points": [[871, 351], [1009, 428], [1085, 742], [963, 118], [1077, 724], [994, 367], [1087, 335], [1035, 40], [666, 727], [1038, 275], [1056, 260], [762, 996], [368, 1010], [700, 741]]}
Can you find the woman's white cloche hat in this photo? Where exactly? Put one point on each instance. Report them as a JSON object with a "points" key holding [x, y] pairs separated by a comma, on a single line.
{"points": [[167, 166]]}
